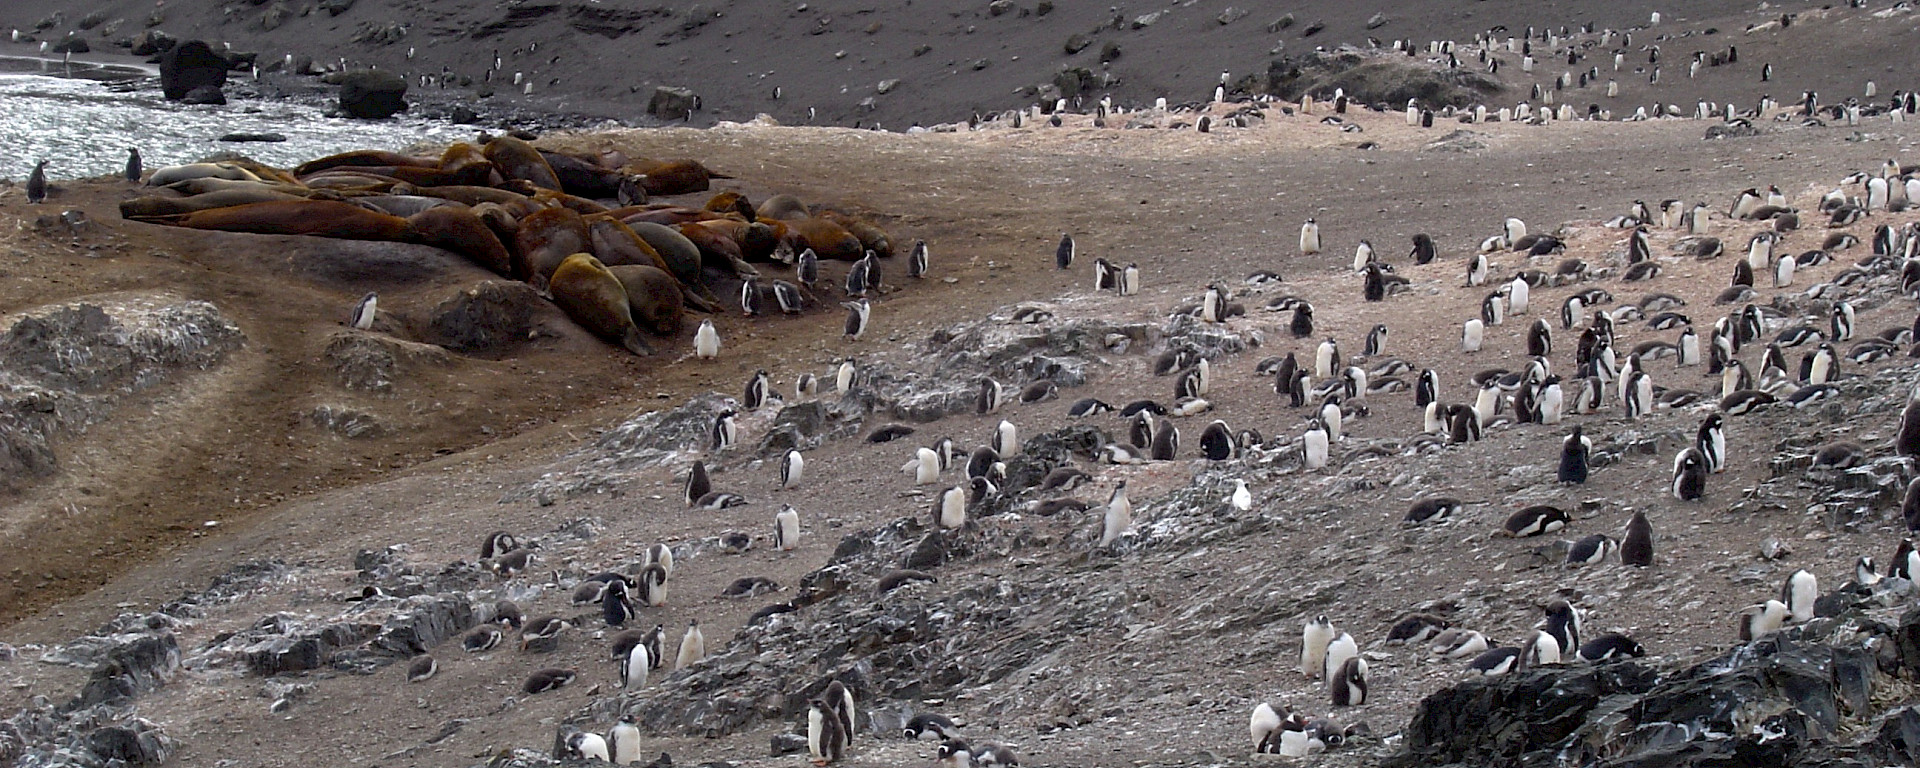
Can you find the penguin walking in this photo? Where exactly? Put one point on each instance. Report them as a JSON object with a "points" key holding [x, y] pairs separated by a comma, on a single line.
{"points": [[1119, 515], [634, 667], [364, 312], [917, 260], [826, 736], [37, 183], [1063, 255], [706, 341], [1575, 452], [134, 169]]}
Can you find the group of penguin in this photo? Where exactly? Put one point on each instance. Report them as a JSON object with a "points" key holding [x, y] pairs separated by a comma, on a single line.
{"points": [[863, 279]]}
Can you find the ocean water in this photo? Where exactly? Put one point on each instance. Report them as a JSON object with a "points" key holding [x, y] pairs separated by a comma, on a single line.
{"points": [[82, 120]]}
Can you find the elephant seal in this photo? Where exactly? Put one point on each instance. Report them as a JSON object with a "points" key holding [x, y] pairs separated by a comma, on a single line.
{"points": [[615, 244], [546, 238], [871, 236], [653, 297], [205, 184], [682, 259], [465, 165], [321, 218], [665, 178], [457, 228], [594, 298], [718, 249], [732, 202], [783, 207], [464, 193], [173, 173], [402, 205], [583, 177], [362, 158], [827, 239], [153, 207], [516, 159], [757, 240]]}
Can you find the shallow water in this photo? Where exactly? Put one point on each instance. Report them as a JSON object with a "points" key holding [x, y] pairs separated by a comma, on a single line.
{"points": [[84, 126]]}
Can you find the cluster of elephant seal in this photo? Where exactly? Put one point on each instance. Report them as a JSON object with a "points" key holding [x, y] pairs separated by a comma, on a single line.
{"points": [[580, 229]]}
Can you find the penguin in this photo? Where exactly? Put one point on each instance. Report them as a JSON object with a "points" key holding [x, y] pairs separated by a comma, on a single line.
{"points": [[1758, 621], [1302, 325], [653, 584], [860, 277], [483, 638], [1216, 442], [1477, 270], [1639, 248], [1063, 255], [1514, 229], [1517, 296], [1906, 561], [859, 311], [1687, 348], [1575, 451], [917, 260], [723, 430], [706, 341], [1609, 646], [1338, 652], [421, 668], [1241, 499], [1310, 237], [1540, 649], [750, 297], [587, 746], [1534, 521], [1416, 628], [1799, 592], [1375, 287], [786, 296], [950, 511], [1349, 684], [1119, 515], [1326, 359], [840, 699], [806, 268], [1907, 441], [805, 385], [1689, 475], [624, 742], [1493, 309], [1106, 276], [786, 528], [363, 313], [549, 679], [1471, 334], [1539, 338], [1562, 623], [1550, 403], [1213, 306], [990, 397], [698, 484], [635, 665], [1423, 250], [1637, 394], [1439, 508], [826, 736], [1426, 389], [843, 376], [1497, 661], [1130, 280], [1314, 445], [1263, 724], [1363, 257], [1376, 343], [37, 183], [134, 169], [661, 555], [1166, 441], [614, 608], [1840, 321], [984, 461], [929, 724], [1636, 549], [1089, 407], [693, 646], [1331, 417], [1820, 365], [1458, 643]]}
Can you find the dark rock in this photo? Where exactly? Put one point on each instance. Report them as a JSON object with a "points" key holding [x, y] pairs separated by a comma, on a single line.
{"points": [[92, 20], [190, 65], [1109, 51], [253, 137], [205, 95], [275, 15], [152, 41], [132, 668], [336, 7], [671, 103], [367, 362], [1372, 79], [1737, 130], [72, 45], [425, 622], [1000, 7], [372, 94], [490, 319], [1077, 42], [463, 115], [1496, 720], [788, 743], [139, 742]]}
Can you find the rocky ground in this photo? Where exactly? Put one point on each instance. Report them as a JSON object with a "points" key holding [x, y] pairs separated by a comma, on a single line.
{"points": [[331, 459]]}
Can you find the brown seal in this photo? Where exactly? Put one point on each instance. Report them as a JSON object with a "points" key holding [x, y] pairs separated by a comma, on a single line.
{"points": [[615, 244], [173, 173], [718, 249], [670, 215], [663, 178], [871, 236], [577, 203], [464, 193], [458, 229], [757, 240], [583, 177], [546, 238], [594, 298], [653, 297], [516, 159], [322, 218], [827, 239], [465, 165], [783, 207], [205, 184], [363, 158], [152, 207], [732, 202]]}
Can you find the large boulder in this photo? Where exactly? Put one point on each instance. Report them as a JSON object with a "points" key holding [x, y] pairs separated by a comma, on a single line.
{"points": [[372, 94], [152, 42], [669, 103], [1371, 79], [190, 65]]}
